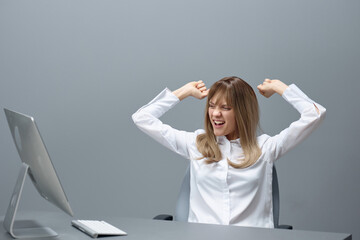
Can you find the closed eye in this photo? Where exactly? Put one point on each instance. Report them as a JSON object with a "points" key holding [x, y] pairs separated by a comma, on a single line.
{"points": [[226, 108]]}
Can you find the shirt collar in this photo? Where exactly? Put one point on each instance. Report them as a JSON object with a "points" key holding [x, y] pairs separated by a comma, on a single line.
{"points": [[222, 140]]}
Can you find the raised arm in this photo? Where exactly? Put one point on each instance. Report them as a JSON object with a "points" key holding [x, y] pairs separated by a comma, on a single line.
{"points": [[312, 114], [147, 117]]}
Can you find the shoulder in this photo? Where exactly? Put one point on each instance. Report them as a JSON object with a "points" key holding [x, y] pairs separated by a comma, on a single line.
{"points": [[262, 140], [193, 136], [199, 131], [192, 143]]}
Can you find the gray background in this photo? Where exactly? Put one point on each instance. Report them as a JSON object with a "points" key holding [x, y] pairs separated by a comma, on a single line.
{"points": [[81, 68]]}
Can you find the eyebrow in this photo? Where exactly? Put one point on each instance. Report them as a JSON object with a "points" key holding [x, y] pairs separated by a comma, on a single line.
{"points": [[212, 103]]}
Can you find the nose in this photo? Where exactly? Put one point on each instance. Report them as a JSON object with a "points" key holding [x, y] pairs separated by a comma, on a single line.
{"points": [[216, 112]]}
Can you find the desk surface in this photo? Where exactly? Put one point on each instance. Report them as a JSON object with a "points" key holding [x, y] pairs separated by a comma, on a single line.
{"points": [[148, 229]]}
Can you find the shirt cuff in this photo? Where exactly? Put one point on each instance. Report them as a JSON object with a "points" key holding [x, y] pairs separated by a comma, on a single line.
{"points": [[170, 94], [297, 98]]}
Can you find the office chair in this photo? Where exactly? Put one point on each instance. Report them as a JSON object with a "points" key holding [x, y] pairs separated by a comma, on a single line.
{"points": [[182, 204]]}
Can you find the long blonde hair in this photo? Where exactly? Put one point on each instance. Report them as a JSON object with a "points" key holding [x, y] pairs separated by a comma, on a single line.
{"points": [[241, 97]]}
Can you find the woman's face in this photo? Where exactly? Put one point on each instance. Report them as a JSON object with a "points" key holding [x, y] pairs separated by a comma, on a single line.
{"points": [[222, 118]]}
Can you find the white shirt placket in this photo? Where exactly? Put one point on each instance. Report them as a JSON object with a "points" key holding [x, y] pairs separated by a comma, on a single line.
{"points": [[225, 187]]}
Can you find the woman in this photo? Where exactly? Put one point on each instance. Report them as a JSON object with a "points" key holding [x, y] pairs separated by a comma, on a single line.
{"points": [[230, 167]]}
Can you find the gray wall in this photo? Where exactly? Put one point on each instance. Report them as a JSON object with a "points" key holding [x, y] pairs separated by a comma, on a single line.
{"points": [[82, 67]]}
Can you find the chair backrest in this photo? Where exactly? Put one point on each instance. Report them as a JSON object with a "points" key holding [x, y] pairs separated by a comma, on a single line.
{"points": [[275, 197], [182, 204]]}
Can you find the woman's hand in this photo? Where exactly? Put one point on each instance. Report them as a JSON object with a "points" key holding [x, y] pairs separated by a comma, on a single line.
{"points": [[195, 89], [269, 87]]}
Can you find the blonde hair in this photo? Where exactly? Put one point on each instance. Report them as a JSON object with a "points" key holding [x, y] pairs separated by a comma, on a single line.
{"points": [[241, 97]]}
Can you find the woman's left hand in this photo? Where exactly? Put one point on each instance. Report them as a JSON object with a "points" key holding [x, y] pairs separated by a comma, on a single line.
{"points": [[269, 87]]}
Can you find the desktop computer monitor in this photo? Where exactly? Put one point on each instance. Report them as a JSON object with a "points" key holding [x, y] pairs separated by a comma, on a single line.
{"points": [[37, 164]]}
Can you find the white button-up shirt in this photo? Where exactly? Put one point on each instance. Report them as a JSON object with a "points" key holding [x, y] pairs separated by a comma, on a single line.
{"points": [[219, 193]]}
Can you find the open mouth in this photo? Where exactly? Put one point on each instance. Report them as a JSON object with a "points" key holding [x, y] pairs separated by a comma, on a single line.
{"points": [[218, 123]]}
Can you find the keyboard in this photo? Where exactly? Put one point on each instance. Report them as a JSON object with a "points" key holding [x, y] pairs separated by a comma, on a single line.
{"points": [[96, 228]]}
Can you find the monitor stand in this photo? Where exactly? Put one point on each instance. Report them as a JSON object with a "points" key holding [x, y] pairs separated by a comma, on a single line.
{"points": [[26, 232]]}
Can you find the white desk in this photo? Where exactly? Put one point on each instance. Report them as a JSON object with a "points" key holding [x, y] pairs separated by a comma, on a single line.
{"points": [[148, 229]]}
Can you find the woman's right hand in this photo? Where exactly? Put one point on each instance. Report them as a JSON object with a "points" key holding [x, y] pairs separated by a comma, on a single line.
{"points": [[196, 89]]}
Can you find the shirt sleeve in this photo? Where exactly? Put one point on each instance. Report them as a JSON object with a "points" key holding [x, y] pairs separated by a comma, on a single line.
{"points": [[312, 114], [147, 120]]}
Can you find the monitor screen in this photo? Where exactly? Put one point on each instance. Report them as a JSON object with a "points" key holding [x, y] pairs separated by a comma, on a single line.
{"points": [[32, 151]]}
